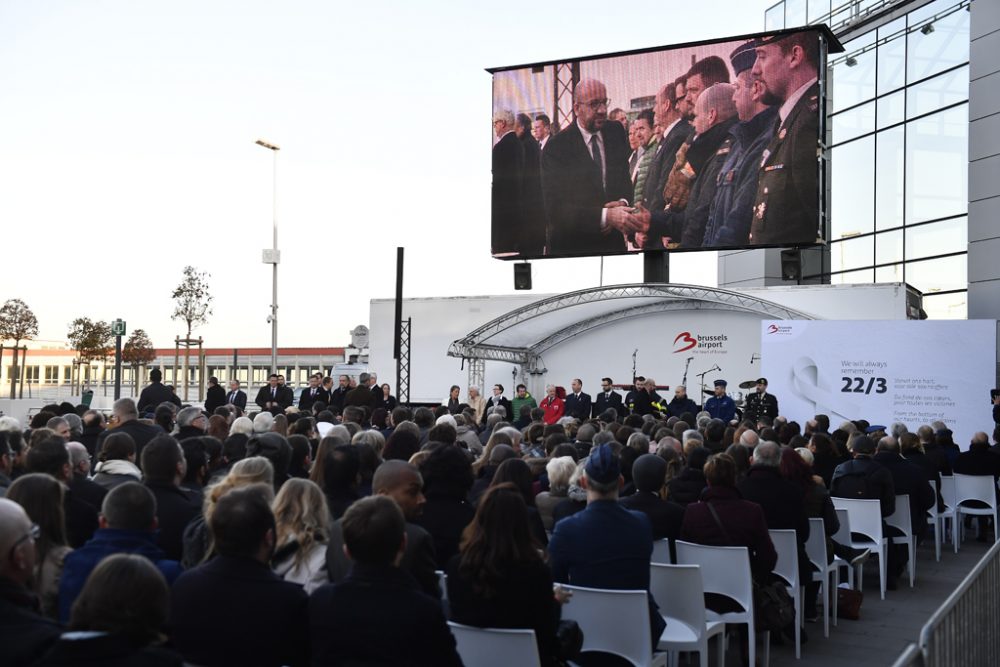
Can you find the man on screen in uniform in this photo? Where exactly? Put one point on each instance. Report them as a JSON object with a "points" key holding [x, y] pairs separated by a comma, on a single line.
{"points": [[760, 403], [721, 406], [732, 210], [786, 208], [585, 179]]}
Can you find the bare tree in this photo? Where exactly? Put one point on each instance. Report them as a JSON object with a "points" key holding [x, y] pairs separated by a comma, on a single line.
{"points": [[192, 305], [137, 352], [17, 323], [91, 340]]}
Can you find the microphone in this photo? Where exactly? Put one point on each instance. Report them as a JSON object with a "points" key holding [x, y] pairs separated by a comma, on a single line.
{"points": [[717, 368]]}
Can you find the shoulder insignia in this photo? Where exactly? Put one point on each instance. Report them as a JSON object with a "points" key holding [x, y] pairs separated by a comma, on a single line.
{"points": [[761, 209], [730, 175], [782, 133], [723, 151], [774, 167]]}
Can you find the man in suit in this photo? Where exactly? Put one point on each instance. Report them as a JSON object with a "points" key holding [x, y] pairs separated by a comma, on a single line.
{"points": [[215, 397], [680, 403], [163, 469], [541, 130], [156, 393], [499, 400], [271, 397], [311, 394], [231, 609], [786, 208], [529, 239], [507, 209], [236, 396], [376, 615], [338, 395], [605, 545], [578, 404], [361, 396], [402, 482], [287, 393], [586, 182], [608, 398]]}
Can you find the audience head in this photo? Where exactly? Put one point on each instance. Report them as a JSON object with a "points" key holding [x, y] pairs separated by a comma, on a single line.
{"points": [[559, 471], [50, 456], [374, 530], [273, 447], [767, 454], [301, 514], [403, 483], [447, 474], [340, 469], [129, 506], [163, 461], [41, 496], [242, 523], [602, 473], [720, 470], [862, 446], [17, 543], [649, 473]]}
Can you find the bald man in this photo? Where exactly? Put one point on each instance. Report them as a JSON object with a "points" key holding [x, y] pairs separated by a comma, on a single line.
{"points": [[25, 635], [402, 482], [83, 487], [585, 180]]}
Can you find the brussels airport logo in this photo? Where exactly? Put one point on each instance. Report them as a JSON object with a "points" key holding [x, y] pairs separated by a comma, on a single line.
{"points": [[773, 329], [685, 341]]}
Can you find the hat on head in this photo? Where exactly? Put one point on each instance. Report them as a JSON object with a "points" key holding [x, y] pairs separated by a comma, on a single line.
{"points": [[874, 428], [744, 56], [721, 383], [602, 465], [762, 381]]}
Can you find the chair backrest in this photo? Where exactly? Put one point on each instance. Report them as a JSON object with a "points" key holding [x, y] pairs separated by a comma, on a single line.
{"points": [[443, 583], [900, 519], [948, 490], [661, 552], [612, 621], [729, 568], [934, 487], [787, 549], [816, 544], [975, 487], [843, 534], [495, 647], [680, 594], [865, 516]]}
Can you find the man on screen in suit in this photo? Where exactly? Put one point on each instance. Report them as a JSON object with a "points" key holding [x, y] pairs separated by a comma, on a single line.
{"points": [[608, 398], [508, 167], [786, 208], [585, 180], [578, 404], [541, 130], [236, 396], [529, 239]]}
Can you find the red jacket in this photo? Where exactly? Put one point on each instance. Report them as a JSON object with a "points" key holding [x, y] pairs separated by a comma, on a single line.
{"points": [[554, 408]]}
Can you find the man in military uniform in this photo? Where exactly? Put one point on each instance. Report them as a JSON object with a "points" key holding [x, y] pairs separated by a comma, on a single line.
{"points": [[760, 403], [732, 208], [786, 208], [721, 406]]}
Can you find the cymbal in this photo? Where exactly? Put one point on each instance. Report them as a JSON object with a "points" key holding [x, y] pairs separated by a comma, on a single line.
{"points": [[749, 384], [708, 392]]}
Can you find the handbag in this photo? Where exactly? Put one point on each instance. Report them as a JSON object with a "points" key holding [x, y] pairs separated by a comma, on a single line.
{"points": [[849, 603], [773, 607], [569, 638]]}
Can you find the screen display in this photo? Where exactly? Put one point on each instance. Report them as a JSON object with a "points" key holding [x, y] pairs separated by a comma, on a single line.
{"points": [[706, 146]]}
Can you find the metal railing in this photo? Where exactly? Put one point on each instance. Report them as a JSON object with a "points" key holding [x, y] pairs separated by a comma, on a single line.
{"points": [[911, 657]]}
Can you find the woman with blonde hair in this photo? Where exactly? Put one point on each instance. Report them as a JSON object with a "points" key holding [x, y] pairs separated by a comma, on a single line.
{"points": [[198, 546], [303, 527]]}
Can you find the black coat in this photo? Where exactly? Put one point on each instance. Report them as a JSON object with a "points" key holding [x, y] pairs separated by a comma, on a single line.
{"points": [[175, 508], [88, 491], [604, 401], [982, 462], [81, 519], [236, 611], [503, 402], [154, 394], [575, 195], [919, 459], [909, 480], [141, 434], [237, 398], [25, 635], [781, 500], [307, 399], [215, 397], [663, 162], [577, 407], [280, 397], [378, 617], [507, 209], [864, 473], [360, 397], [337, 397], [686, 488], [418, 559], [523, 599], [666, 517], [678, 406], [107, 651], [445, 519]]}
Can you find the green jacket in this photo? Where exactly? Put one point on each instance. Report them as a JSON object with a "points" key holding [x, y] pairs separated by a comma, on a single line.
{"points": [[516, 403]]}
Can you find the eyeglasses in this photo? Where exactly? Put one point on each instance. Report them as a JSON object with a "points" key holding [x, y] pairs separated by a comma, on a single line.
{"points": [[597, 104], [33, 534]]}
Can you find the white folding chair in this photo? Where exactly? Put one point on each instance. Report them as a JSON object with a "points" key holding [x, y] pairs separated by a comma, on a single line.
{"points": [[976, 487], [939, 519], [443, 583], [866, 520], [679, 592], [843, 536], [727, 572], [495, 647], [787, 567], [661, 553], [615, 622], [816, 551], [900, 520], [951, 505]]}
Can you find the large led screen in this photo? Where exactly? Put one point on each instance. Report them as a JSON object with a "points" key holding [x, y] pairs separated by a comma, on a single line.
{"points": [[704, 146]]}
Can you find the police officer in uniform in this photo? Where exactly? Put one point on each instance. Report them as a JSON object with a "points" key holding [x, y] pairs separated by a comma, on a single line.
{"points": [[721, 406], [786, 208], [760, 403]]}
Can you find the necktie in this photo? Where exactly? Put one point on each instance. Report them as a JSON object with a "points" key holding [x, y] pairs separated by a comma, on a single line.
{"points": [[595, 150], [232, 397], [313, 393], [273, 391]]}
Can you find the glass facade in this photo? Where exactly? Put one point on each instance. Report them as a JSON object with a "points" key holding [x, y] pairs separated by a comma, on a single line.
{"points": [[898, 139]]}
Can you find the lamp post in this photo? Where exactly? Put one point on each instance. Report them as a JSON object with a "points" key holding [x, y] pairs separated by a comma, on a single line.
{"points": [[273, 257]]}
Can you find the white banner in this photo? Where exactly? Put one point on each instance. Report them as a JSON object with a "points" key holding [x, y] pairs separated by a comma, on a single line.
{"points": [[913, 372]]}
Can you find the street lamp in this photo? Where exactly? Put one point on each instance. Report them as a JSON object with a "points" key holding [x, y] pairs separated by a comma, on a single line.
{"points": [[273, 257]]}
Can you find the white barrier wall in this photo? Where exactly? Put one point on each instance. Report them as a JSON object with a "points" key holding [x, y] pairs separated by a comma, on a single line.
{"points": [[913, 372]]}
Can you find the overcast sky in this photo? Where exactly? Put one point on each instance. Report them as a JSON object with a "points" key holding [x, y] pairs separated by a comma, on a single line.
{"points": [[128, 152]]}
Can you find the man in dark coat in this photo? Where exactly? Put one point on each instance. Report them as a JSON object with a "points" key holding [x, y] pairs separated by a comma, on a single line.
{"points": [[607, 398], [163, 469], [361, 396], [338, 395], [863, 478], [907, 480], [377, 615], [507, 211], [233, 610], [786, 208], [529, 240], [499, 400], [156, 393], [585, 180], [236, 396], [402, 482], [50, 456], [649, 473], [578, 403], [125, 419], [215, 397], [314, 392], [25, 635], [271, 397], [681, 403]]}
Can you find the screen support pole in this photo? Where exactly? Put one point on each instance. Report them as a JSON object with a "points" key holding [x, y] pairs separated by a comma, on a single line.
{"points": [[655, 266]]}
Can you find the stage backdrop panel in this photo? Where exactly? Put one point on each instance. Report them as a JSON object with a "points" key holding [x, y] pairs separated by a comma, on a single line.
{"points": [[913, 372]]}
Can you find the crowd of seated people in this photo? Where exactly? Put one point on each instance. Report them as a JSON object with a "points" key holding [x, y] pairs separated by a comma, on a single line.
{"points": [[345, 536]]}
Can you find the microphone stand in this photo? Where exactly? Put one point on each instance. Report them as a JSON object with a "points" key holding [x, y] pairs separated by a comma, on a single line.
{"points": [[702, 376]]}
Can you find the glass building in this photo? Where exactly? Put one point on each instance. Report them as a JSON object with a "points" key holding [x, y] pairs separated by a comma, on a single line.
{"points": [[898, 139]]}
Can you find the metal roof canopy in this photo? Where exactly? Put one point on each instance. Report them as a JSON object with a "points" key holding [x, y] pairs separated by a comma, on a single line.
{"points": [[523, 334]]}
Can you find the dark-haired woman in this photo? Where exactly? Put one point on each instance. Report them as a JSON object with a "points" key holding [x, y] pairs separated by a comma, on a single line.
{"points": [[116, 461], [498, 579]]}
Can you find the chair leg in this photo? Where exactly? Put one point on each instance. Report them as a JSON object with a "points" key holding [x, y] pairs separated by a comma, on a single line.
{"points": [[752, 644], [798, 625], [767, 649], [826, 604], [911, 546], [836, 588], [956, 520], [861, 576], [722, 649], [938, 529], [882, 568], [703, 652]]}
